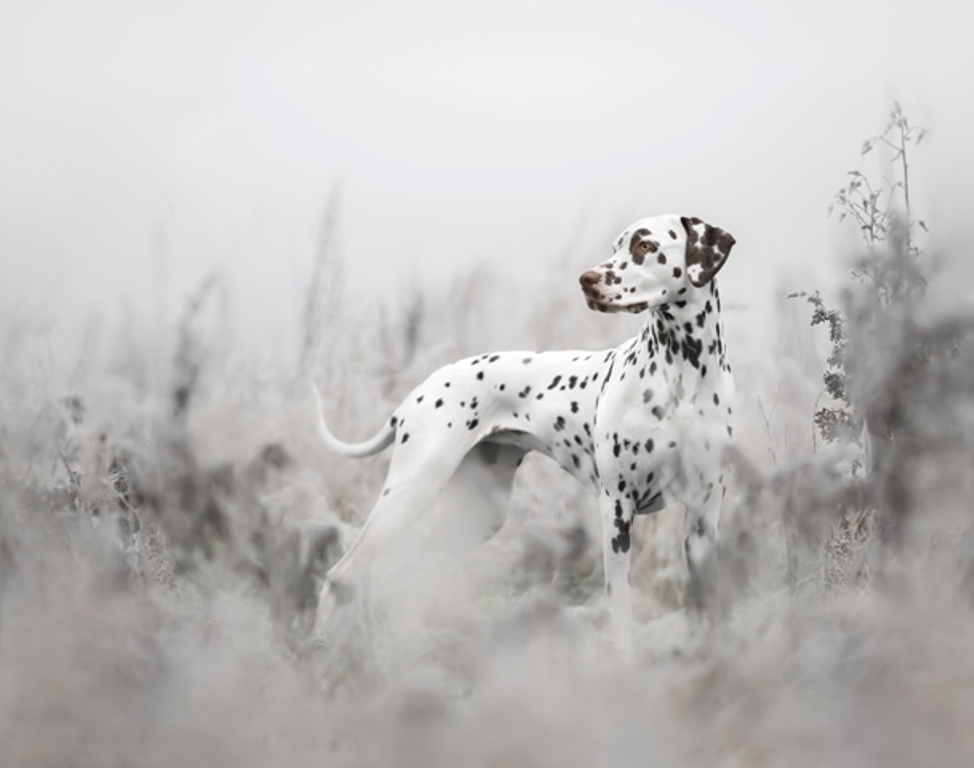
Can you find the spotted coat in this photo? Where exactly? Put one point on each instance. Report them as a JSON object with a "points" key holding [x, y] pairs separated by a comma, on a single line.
{"points": [[641, 425]]}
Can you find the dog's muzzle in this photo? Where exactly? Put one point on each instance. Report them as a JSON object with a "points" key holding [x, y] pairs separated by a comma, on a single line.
{"points": [[590, 281]]}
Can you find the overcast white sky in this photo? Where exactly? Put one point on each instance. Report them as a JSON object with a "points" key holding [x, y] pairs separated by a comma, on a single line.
{"points": [[459, 130]]}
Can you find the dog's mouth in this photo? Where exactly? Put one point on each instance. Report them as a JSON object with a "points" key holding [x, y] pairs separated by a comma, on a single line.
{"points": [[590, 282], [599, 305]]}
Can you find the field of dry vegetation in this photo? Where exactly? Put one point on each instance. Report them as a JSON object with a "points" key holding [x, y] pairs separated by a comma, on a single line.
{"points": [[166, 515]]}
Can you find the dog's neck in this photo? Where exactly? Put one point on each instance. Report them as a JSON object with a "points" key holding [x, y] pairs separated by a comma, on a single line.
{"points": [[687, 335]]}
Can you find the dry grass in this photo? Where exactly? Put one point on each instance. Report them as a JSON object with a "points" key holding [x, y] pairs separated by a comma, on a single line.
{"points": [[162, 537]]}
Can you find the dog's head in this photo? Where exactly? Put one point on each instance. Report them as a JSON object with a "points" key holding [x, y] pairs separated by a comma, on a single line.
{"points": [[656, 261]]}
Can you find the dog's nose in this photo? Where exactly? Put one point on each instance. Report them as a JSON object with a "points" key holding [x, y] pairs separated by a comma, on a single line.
{"points": [[589, 279]]}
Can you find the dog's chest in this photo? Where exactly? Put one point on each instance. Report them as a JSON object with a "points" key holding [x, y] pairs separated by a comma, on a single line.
{"points": [[655, 412]]}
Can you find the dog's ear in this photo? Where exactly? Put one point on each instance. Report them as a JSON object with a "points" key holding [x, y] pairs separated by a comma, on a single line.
{"points": [[707, 249]]}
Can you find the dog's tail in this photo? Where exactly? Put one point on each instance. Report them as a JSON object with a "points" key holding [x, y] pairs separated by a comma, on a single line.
{"points": [[356, 450]]}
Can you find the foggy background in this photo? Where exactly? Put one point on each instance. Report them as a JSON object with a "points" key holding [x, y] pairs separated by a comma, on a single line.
{"points": [[146, 145], [167, 513]]}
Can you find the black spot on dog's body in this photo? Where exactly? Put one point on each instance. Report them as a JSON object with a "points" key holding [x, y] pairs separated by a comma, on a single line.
{"points": [[620, 542], [692, 349]]}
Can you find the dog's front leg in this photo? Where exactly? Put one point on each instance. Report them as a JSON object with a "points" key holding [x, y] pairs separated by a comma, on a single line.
{"points": [[617, 514]]}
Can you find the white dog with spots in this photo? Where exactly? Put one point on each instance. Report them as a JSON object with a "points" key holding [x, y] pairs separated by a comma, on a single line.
{"points": [[641, 425]]}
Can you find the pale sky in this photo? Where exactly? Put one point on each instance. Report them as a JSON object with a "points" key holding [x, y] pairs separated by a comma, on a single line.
{"points": [[460, 131]]}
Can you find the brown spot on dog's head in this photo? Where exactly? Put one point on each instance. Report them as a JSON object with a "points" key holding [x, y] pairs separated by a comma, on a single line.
{"points": [[640, 244], [707, 250]]}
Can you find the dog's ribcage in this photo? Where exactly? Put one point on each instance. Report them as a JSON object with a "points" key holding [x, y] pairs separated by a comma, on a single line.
{"points": [[541, 401]]}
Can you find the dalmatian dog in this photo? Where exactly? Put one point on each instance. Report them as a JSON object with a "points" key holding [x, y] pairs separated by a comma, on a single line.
{"points": [[642, 425]]}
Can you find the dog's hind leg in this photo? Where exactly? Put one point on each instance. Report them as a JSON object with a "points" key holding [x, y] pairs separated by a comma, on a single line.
{"points": [[396, 510], [413, 487]]}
